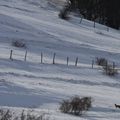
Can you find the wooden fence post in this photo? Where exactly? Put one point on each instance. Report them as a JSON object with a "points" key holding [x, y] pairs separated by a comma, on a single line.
{"points": [[106, 67], [54, 58], [41, 57], [11, 52], [67, 61], [113, 66], [76, 61], [25, 56], [92, 63]]}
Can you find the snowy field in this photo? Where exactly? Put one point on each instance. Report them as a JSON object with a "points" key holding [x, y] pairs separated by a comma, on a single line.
{"points": [[41, 87]]}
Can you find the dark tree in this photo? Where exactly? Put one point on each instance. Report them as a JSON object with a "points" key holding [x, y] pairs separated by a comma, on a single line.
{"points": [[105, 11]]}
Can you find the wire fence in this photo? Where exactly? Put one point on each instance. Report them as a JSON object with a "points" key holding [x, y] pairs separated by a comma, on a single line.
{"points": [[42, 58]]}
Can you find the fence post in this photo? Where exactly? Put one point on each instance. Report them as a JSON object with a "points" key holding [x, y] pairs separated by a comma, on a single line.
{"points": [[41, 57], [54, 58], [106, 67], [11, 52], [25, 56], [113, 66], [67, 60], [76, 61], [92, 63]]}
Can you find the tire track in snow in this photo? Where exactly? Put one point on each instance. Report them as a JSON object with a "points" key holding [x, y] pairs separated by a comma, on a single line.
{"points": [[58, 79]]}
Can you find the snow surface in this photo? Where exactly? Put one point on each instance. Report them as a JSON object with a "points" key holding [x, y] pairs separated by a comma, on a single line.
{"points": [[43, 86]]}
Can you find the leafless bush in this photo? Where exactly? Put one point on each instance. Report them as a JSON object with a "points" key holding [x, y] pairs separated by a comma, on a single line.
{"points": [[5, 115], [110, 70], [19, 44], [65, 106], [76, 105], [30, 116], [22, 116], [9, 115], [101, 61]]}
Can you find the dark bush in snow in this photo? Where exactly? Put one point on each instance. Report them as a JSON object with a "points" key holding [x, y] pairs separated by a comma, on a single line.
{"points": [[10, 115], [5, 115], [65, 11], [76, 105], [19, 44], [110, 70], [65, 106], [107, 68], [64, 14], [101, 61]]}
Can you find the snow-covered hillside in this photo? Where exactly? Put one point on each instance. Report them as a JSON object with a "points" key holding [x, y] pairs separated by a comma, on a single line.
{"points": [[43, 86]]}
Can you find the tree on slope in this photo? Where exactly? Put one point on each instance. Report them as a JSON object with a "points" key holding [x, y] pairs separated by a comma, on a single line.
{"points": [[105, 11]]}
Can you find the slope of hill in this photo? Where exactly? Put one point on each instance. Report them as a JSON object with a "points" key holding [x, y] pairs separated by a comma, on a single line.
{"points": [[33, 85]]}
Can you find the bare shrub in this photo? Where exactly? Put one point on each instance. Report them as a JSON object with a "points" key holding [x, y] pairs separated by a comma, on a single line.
{"points": [[19, 44], [107, 68], [9, 115], [22, 116], [65, 106], [101, 61], [76, 105], [5, 115], [31, 116], [110, 70], [87, 103], [80, 104]]}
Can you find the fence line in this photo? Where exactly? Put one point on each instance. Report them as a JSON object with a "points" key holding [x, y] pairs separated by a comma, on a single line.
{"points": [[54, 61]]}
